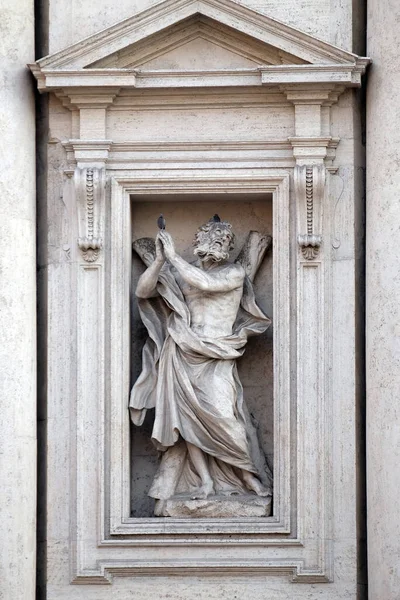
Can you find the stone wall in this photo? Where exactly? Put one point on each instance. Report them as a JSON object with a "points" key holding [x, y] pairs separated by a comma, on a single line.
{"points": [[382, 298], [331, 20], [17, 304], [234, 140]]}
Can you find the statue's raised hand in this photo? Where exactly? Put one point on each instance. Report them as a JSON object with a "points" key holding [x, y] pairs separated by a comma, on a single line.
{"points": [[159, 250], [168, 244]]}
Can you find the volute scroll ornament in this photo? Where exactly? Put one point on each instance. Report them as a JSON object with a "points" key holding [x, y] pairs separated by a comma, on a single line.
{"points": [[309, 183], [90, 191], [310, 245]]}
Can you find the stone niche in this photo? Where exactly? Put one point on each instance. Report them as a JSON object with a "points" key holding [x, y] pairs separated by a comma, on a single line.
{"points": [[184, 214], [190, 108]]}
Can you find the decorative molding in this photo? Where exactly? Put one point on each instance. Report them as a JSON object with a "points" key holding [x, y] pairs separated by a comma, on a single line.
{"points": [[189, 99], [145, 155], [91, 97], [244, 182], [338, 76], [90, 191], [309, 183], [211, 146], [308, 150], [294, 570], [93, 153]]}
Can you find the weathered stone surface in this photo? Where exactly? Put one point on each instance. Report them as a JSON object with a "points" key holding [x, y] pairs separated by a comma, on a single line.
{"points": [[215, 506], [17, 304], [383, 302], [330, 20]]}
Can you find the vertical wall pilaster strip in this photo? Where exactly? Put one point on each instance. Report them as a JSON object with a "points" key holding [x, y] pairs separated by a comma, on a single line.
{"points": [[90, 196], [282, 364], [313, 439], [120, 272], [383, 301], [17, 305]]}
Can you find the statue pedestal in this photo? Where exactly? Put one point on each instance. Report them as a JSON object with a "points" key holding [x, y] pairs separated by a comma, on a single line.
{"points": [[245, 505]]}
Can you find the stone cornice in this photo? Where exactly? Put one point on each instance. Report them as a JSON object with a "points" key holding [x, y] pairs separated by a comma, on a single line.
{"points": [[336, 75]]}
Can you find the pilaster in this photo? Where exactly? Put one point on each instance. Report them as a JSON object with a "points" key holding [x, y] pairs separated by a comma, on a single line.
{"points": [[383, 302], [17, 306]]}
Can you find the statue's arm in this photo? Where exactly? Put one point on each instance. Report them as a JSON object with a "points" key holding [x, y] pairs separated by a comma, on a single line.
{"points": [[146, 286], [224, 281]]}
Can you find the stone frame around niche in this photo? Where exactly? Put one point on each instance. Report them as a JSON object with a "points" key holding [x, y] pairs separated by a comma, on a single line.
{"points": [[278, 185], [108, 541]]}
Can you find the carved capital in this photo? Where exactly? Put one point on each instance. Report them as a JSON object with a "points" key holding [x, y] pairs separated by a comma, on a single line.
{"points": [[309, 181], [90, 194]]}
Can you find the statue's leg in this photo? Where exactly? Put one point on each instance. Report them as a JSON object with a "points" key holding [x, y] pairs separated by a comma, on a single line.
{"points": [[254, 484], [200, 464]]}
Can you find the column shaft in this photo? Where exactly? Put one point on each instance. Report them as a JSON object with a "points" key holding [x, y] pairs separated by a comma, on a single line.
{"points": [[17, 304], [383, 300]]}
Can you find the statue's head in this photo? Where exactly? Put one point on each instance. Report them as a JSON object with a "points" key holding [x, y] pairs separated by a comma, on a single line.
{"points": [[214, 240]]}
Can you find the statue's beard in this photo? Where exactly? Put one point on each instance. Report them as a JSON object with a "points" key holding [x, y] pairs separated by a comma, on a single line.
{"points": [[210, 251]]}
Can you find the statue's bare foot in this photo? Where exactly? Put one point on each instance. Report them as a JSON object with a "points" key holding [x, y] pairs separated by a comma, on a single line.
{"points": [[255, 485], [202, 492]]}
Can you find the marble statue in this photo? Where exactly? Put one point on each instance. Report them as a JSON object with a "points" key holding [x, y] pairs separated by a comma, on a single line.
{"points": [[199, 316]]}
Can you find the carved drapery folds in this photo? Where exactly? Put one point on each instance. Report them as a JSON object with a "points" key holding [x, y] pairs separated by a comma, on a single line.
{"points": [[309, 183], [90, 191]]}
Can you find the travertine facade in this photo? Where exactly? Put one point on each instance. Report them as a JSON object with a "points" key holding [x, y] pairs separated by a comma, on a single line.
{"points": [[17, 306], [252, 110], [383, 303]]}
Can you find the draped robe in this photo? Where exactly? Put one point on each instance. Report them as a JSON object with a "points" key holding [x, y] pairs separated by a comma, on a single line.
{"points": [[192, 382]]}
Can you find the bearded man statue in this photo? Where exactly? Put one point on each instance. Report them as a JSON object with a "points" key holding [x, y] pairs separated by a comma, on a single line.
{"points": [[199, 316]]}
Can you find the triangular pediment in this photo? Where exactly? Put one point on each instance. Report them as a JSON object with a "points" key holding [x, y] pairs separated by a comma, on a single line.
{"points": [[168, 14], [179, 43], [197, 43]]}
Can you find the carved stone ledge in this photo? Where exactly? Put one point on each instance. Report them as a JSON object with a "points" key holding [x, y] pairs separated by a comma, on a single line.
{"points": [[93, 153], [294, 569], [215, 506], [307, 150]]}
